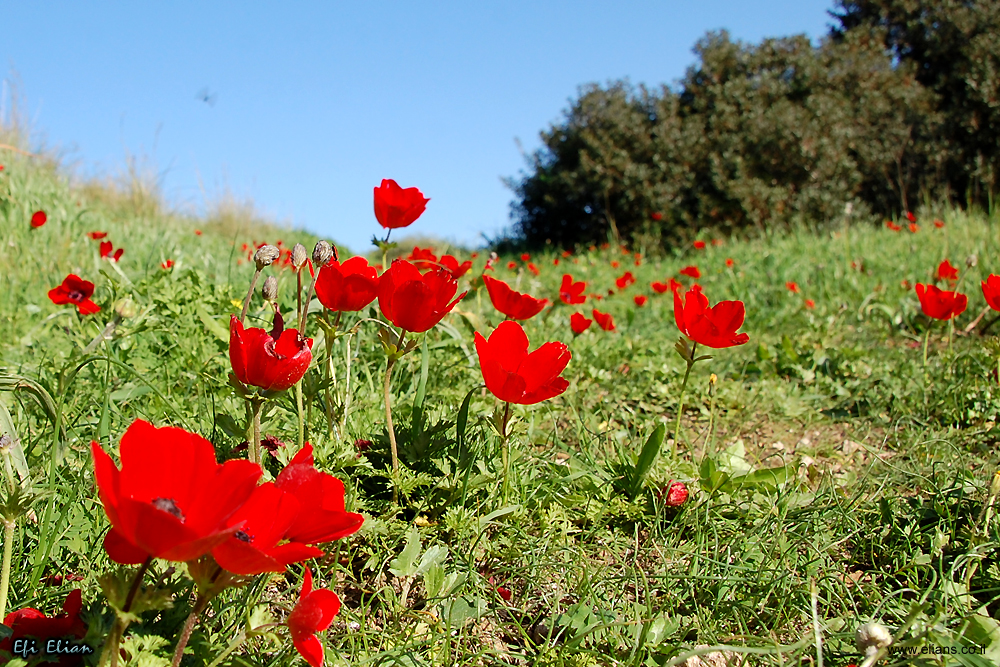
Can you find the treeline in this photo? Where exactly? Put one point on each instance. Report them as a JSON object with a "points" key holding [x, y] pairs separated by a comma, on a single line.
{"points": [[898, 106]]}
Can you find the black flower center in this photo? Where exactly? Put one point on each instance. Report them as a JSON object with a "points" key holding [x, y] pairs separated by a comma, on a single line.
{"points": [[169, 506], [243, 537], [75, 296]]}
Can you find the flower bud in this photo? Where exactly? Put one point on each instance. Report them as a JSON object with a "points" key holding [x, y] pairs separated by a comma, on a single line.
{"points": [[126, 308], [270, 289], [971, 261], [6, 442], [299, 255], [870, 637], [712, 379], [265, 255], [323, 253]]}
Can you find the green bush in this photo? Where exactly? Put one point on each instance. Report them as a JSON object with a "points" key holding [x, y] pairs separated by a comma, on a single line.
{"points": [[756, 135]]}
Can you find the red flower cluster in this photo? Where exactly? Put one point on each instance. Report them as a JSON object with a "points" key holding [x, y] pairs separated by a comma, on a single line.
{"points": [[171, 499]]}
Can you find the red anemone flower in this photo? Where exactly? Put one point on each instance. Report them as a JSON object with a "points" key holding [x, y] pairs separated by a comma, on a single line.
{"points": [[513, 374], [991, 291], [640, 300], [31, 623], [892, 225], [454, 268], [691, 272], [910, 216], [604, 320], [167, 264], [422, 258], [624, 280], [810, 304], [97, 236], [615, 264], [347, 286], [75, 290], [699, 245], [914, 227], [314, 612], [711, 326], [533, 268], [579, 323], [945, 271], [273, 362], [106, 253], [658, 287], [397, 207], [792, 287], [514, 305], [512, 265], [525, 257], [939, 224], [321, 516], [416, 302], [38, 218], [571, 293], [940, 304], [170, 499], [657, 216], [259, 545], [729, 262]]}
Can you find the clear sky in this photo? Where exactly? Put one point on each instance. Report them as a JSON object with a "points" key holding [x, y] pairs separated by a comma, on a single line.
{"points": [[311, 104]]}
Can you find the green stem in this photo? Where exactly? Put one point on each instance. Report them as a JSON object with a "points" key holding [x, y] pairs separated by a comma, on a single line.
{"points": [[927, 336], [110, 653], [258, 406], [8, 553], [386, 389], [246, 301], [505, 452], [711, 417], [347, 387], [233, 645], [680, 403], [329, 338], [301, 412]]}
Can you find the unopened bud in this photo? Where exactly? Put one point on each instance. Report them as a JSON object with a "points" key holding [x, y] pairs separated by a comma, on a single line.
{"points": [[323, 252], [971, 261], [299, 255], [126, 308], [712, 379], [5, 442], [270, 289], [265, 255], [871, 637]]}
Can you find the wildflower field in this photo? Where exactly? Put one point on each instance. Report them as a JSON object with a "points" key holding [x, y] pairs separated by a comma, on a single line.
{"points": [[223, 449]]}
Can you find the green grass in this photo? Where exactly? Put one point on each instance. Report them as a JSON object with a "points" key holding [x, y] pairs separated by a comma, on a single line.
{"points": [[877, 465]]}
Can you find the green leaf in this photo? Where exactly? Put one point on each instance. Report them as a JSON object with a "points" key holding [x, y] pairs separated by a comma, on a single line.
{"points": [[405, 565], [647, 457], [212, 324], [16, 452]]}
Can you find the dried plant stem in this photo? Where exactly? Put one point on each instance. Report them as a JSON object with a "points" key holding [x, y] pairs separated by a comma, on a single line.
{"points": [[185, 636], [246, 301]]}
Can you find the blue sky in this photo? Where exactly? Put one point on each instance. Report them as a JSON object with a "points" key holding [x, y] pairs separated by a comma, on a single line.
{"points": [[315, 103]]}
